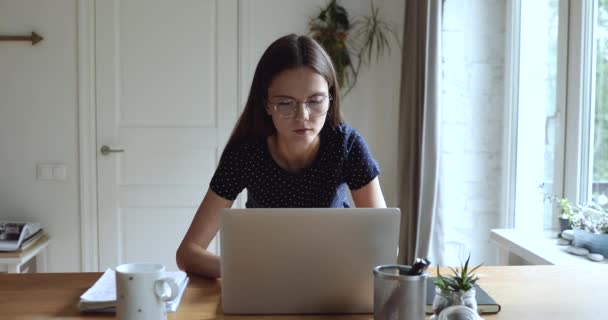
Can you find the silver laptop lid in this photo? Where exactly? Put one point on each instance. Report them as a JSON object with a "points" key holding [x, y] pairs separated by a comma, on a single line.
{"points": [[297, 261]]}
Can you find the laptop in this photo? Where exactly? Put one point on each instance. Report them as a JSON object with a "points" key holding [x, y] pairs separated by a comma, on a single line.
{"points": [[304, 261]]}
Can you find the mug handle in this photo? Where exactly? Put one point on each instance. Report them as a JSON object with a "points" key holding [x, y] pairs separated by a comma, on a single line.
{"points": [[159, 288]]}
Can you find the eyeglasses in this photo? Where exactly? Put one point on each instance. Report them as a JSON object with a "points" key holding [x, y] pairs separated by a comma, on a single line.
{"points": [[287, 107]]}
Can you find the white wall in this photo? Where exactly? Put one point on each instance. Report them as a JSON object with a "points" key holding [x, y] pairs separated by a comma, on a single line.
{"points": [[38, 122], [473, 97], [38, 105]]}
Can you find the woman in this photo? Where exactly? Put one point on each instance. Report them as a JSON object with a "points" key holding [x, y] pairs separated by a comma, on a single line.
{"points": [[289, 148]]}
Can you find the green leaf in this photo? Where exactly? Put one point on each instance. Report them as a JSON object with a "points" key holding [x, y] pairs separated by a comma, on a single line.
{"points": [[477, 267], [323, 15], [351, 43], [462, 279], [455, 271], [466, 267]]}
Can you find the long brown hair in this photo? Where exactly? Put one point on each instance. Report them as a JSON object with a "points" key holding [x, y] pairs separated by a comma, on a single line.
{"points": [[291, 51]]}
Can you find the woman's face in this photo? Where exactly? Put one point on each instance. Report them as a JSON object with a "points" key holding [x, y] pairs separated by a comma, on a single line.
{"points": [[288, 94]]}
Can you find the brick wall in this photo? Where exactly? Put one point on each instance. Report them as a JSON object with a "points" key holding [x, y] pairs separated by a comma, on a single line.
{"points": [[473, 35]]}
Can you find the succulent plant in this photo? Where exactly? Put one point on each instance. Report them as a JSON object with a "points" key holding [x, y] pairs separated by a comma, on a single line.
{"points": [[462, 280]]}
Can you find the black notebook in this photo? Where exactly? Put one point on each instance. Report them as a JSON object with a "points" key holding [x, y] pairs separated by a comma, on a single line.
{"points": [[485, 303]]}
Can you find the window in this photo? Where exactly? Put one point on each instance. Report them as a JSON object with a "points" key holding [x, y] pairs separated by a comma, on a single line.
{"points": [[538, 117], [599, 115], [559, 107]]}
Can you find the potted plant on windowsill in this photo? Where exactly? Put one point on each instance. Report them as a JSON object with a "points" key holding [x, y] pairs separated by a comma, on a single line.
{"points": [[456, 289], [567, 211]]}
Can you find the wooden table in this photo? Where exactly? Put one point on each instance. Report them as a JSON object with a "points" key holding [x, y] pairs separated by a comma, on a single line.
{"points": [[525, 292]]}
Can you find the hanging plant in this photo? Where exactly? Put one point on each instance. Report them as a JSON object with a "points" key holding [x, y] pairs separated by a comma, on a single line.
{"points": [[351, 45]]}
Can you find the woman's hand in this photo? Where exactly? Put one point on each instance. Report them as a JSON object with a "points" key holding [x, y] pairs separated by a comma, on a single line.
{"points": [[192, 255]]}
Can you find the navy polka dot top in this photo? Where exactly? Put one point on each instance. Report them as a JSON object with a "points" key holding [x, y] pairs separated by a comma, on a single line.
{"points": [[343, 159]]}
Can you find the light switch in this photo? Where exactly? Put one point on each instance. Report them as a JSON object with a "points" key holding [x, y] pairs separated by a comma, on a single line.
{"points": [[44, 172], [51, 171], [60, 173]]}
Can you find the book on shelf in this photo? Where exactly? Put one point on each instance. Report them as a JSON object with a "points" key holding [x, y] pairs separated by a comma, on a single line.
{"points": [[29, 241], [101, 297], [485, 303], [18, 235]]}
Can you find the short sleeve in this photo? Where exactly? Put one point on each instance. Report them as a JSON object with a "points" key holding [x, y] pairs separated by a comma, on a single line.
{"points": [[360, 166], [229, 178]]}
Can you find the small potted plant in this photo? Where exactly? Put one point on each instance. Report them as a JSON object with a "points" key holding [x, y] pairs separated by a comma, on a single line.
{"points": [[456, 289], [568, 210]]}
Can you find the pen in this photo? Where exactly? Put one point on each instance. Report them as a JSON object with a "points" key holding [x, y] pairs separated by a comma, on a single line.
{"points": [[419, 266]]}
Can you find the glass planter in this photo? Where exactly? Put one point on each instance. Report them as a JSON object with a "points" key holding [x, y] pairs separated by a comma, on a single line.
{"points": [[465, 298], [444, 299]]}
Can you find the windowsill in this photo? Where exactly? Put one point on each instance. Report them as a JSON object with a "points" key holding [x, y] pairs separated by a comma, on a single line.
{"points": [[537, 248]]}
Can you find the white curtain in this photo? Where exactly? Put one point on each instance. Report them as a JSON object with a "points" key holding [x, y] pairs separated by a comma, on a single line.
{"points": [[430, 242]]}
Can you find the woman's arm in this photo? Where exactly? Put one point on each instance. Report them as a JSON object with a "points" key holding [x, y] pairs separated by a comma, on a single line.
{"points": [[369, 196], [192, 255]]}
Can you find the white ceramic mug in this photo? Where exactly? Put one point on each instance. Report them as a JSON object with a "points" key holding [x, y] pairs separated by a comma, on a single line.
{"points": [[140, 291]]}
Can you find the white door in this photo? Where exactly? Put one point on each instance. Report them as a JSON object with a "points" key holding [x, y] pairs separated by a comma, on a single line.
{"points": [[166, 86]]}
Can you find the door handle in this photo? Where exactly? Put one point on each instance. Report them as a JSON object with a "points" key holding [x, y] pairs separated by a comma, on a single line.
{"points": [[105, 150]]}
